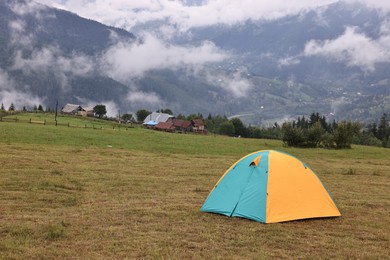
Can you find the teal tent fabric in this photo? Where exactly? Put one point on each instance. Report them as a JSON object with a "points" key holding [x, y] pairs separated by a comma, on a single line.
{"points": [[242, 186]]}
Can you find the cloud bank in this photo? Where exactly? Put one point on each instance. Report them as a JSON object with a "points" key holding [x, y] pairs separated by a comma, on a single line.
{"points": [[354, 48], [9, 95], [178, 16], [125, 61], [122, 61], [236, 84], [127, 14]]}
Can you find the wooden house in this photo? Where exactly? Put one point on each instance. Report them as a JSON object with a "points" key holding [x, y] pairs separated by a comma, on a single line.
{"points": [[198, 126], [181, 125], [165, 126], [72, 109]]}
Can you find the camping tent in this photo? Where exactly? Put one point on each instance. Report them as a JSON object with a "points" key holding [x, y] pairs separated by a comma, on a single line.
{"points": [[270, 186]]}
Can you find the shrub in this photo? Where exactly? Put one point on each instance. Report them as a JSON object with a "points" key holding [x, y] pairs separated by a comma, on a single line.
{"points": [[314, 134], [227, 128], [292, 136], [344, 134], [327, 140]]}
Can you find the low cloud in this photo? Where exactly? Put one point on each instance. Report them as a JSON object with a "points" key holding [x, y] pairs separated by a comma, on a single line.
{"points": [[289, 61], [122, 61], [111, 107], [51, 60], [128, 14], [47, 59], [9, 94], [19, 37], [28, 8], [354, 48], [125, 61], [141, 98], [236, 84]]}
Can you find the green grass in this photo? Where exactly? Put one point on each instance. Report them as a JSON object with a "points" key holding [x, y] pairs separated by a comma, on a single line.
{"points": [[136, 193]]}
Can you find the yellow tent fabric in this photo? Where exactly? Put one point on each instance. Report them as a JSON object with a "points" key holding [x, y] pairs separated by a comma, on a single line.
{"points": [[270, 186], [295, 191]]}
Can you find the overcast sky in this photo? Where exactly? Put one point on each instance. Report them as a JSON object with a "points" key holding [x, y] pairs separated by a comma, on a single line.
{"points": [[125, 61], [353, 47], [190, 13], [181, 15]]}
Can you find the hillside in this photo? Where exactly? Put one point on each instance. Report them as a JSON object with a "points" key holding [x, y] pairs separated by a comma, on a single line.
{"points": [[135, 193], [261, 70], [277, 50], [47, 55]]}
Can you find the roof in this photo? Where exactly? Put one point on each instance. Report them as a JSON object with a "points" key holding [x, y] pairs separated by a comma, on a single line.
{"points": [[151, 122], [70, 108], [87, 108], [181, 123], [157, 117], [165, 126], [198, 122]]}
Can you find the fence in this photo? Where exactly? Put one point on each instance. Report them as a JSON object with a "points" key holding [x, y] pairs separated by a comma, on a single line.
{"points": [[44, 122], [56, 123]]}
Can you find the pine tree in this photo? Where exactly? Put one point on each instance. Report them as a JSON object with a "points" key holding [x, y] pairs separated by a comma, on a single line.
{"points": [[11, 107], [384, 130]]}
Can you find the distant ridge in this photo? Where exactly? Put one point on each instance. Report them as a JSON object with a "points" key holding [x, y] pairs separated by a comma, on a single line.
{"points": [[270, 75]]}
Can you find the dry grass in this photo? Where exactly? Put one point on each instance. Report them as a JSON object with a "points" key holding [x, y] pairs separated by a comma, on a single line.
{"points": [[68, 201]]}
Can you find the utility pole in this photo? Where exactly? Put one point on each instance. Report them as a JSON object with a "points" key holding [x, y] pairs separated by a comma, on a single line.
{"points": [[55, 118]]}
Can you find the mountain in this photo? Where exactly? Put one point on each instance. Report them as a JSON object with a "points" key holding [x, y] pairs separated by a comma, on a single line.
{"points": [[46, 55], [275, 50], [261, 71]]}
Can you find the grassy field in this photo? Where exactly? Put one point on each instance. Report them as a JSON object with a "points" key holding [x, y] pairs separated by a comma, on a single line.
{"points": [[134, 193]]}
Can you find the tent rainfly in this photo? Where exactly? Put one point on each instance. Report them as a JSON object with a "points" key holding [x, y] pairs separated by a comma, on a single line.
{"points": [[270, 186]]}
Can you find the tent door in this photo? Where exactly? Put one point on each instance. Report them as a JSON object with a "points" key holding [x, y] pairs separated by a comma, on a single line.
{"points": [[242, 191]]}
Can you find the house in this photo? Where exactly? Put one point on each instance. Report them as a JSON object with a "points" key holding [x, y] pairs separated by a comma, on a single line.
{"points": [[167, 122], [86, 111], [154, 118], [165, 126], [198, 126], [181, 125], [72, 109]]}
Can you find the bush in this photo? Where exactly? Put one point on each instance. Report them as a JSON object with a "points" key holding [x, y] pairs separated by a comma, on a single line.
{"points": [[328, 140], [292, 136], [369, 139], [314, 134], [344, 134], [227, 128]]}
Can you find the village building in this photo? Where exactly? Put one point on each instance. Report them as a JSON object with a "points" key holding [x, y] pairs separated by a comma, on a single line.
{"points": [[198, 126], [154, 118], [181, 125], [72, 109], [165, 126], [166, 122]]}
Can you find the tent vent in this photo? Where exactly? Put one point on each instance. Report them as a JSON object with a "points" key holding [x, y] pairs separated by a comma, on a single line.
{"points": [[256, 161]]}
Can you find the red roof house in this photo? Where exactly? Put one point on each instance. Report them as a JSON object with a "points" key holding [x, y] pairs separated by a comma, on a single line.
{"points": [[165, 126], [198, 125]]}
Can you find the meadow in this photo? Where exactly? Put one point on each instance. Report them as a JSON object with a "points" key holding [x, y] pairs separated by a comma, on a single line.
{"points": [[134, 193]]}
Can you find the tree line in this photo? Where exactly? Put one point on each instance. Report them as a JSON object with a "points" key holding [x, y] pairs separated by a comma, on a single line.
{"points": [[312, 131], [13, 108]]}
